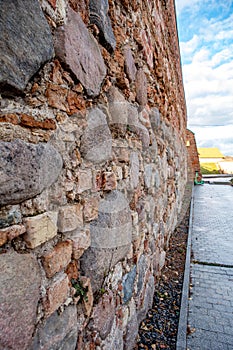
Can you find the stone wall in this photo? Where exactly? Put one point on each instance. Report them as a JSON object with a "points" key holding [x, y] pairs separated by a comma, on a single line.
{"points": [[93, 168], [193, 159]]}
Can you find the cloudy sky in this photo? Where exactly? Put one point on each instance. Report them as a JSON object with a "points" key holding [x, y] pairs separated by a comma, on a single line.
{"points": [[206, 42]]}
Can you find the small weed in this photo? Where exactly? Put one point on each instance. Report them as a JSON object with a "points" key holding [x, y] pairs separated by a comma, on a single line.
{"points": [[81, 291]]}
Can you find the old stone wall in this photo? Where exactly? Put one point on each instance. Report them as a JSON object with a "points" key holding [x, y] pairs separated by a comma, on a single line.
{"points": [[193, 159], [93, 168]]}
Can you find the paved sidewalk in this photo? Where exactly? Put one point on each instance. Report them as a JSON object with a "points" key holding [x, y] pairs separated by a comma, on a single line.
{"points": [[210, 306]]}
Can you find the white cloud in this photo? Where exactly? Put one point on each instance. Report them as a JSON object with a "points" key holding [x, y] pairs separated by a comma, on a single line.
{"points": [[207, 51]]}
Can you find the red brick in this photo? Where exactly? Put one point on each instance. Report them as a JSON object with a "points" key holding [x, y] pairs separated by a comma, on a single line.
{"points": [[58, 258]]}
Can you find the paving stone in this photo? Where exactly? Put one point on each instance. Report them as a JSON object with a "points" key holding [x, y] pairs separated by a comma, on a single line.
{"points": [[26, 170], [19, 295], [99, 16], [25, 43], [210, 306], [79, 50]]}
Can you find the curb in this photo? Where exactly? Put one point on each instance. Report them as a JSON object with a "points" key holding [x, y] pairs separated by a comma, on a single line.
{"points": [[181, 342]]}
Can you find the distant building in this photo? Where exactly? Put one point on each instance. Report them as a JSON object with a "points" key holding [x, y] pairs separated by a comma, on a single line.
{"points": [[210, 155], [213, 155]]}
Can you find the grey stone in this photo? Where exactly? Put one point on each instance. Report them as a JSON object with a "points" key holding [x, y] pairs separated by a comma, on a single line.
{"points": [[99, 16], [103, 314], [96, 142], [128, 284], [25, 43], [79, 50], [141, 87], [130, 67], [26, 170], [19, 295], [113, 228], [111, 236], [142, 267], [10, 216], [96, 263], [148, 300], [135, 126], [118, 110], [155, 119], [59, 332], [134, 170], [132, 329]]}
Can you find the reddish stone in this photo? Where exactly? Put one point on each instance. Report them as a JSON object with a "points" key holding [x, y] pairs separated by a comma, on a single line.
{"points": [[78, 49], [109, 181], [72, 270], [103, 314], [19, 295], [81, 6], [58, 258], [3, 237], [141, 87], [75, 101], [57, 97], [13, 231], [57, 293], [28, 121], [9, 118], [53, 3]]}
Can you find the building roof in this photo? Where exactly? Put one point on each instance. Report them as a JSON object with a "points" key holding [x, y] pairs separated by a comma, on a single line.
{"points": [[209, 153]]}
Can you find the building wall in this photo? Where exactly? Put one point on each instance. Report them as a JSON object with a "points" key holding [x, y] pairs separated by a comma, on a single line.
{"points": [[93, 168], [193, 159]]}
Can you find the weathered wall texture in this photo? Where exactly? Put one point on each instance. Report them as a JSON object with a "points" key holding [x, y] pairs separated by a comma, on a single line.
{"points": [[93, 167], [193, 159]]}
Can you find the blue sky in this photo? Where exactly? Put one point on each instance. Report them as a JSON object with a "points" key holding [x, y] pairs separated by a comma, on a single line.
{"points": [[206, 42]]}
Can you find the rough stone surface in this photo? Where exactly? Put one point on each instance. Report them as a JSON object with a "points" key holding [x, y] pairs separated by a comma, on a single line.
{"points": [[40, 229], [96, 143], [26, 170], [99, 16], [128, 284], [148, 299], [130, 67], [25, 43], [134, 169], [57, 293], [103, 314], [132, 328], [141, 87], [70, 217], [58, 258], [77, 48], [19, 295], [113, 228], [59, 332], [10, 216], [12, 232]]}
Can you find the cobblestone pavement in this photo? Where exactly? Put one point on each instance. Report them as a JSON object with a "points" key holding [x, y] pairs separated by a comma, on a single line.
{"points": [[210, 316]]}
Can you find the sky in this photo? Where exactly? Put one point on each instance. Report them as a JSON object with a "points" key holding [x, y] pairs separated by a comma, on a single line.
{"points": [[205, 30]]}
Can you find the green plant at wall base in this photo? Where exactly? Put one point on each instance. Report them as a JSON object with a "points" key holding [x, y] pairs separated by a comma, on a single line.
{"points": [[81, 291]]}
